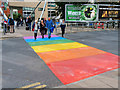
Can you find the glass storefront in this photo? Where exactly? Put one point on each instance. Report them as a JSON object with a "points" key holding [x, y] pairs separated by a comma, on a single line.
{"points": [[27, 11]]}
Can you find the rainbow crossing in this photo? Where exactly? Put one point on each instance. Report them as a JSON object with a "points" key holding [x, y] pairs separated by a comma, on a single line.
{"points": [[71, 61]]}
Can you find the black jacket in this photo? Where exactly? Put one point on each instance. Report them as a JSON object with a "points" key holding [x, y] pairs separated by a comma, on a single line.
{"points": [[42, 27], [29, 20]]}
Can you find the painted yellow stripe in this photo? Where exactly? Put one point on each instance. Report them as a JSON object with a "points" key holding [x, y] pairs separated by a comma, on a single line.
{"points": [[36, 88], [31, 85], [42, 86], [54, 47]]}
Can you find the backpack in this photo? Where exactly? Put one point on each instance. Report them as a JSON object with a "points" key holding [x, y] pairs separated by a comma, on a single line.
{"points": [[11, 22]]}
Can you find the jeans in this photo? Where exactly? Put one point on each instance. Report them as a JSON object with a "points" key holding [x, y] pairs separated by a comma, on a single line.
{"points": [[29, 24], [49, 33], [5, 28]]}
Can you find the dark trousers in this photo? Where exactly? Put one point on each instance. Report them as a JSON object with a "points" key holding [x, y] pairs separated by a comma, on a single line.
{"points": [[63, 32], [35, 36], [42, 33], [5, 28], [45, 30], [29, 24]]}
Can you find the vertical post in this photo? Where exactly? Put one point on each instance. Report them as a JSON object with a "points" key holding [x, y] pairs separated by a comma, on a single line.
{"points": [[50, 9], [11, 12], [42, 11]]}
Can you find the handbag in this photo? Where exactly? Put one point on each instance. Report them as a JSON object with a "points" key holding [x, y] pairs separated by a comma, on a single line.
{"points": [[52, 29]]}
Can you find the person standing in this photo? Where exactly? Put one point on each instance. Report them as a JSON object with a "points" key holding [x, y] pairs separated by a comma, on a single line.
{"points": [[63, 25], [29, 22], [35, 28], [49, 25], [8, 26], [11, 23], [42, 28], [5, 25]]}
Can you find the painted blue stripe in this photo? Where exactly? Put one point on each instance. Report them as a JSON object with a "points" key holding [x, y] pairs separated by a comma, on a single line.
{"points": [[45, 39]]}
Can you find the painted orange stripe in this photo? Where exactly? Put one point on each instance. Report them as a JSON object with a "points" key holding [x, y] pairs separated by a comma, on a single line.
{"points": [[62, 55]]}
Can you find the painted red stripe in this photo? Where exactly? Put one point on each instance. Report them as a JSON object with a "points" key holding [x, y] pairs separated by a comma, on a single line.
{"points": [[80, 68]]}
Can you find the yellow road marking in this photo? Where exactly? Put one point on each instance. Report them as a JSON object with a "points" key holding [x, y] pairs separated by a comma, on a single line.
{"points": [[34, 85], [36, 88], [42, 86], [31, 85], [54, 47]]}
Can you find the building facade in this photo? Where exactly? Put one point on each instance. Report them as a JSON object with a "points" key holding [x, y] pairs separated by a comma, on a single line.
{"points": [[27, 7]]}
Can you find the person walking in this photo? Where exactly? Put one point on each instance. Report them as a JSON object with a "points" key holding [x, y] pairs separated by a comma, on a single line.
{"points": [[29, 22], [35, 28], [11, 23], [63, 25], [18, 21], [26, 21], [45, 25], [42, 28], [21, 21], [49, 25]]}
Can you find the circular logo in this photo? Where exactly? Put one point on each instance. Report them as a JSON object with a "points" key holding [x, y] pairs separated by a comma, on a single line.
{"points": [[89, 13]]}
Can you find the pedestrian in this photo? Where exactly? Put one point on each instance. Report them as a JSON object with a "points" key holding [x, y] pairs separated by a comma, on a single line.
{"points": [[45, 25], [18, 21], [21, 21], [42, 28], [8, 26], [5, 25], [29, 22], [26, 21], [49, 25], [11, 23], [63, 25], [35, 28]]}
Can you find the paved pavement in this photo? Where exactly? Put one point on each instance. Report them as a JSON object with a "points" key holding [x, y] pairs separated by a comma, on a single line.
{"points": [[22, 66]]}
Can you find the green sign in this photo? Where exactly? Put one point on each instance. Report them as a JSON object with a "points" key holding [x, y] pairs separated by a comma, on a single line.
{"points": [[75, 13]]}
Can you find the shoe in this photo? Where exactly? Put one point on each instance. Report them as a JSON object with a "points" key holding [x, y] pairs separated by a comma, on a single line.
{"points": [[49, 37]]}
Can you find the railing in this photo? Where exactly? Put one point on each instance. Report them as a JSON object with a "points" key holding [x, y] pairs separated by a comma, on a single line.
{"points": [[82, 26], [96, 25]]}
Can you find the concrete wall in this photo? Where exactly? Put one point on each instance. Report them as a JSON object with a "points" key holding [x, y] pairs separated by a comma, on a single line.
{"points": [[38, 13]]}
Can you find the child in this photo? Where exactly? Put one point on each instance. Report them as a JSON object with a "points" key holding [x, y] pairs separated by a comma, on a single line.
{"points": [[35, 28]]}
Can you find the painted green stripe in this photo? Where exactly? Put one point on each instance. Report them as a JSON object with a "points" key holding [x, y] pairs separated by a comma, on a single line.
{"points": [[50, 42]]}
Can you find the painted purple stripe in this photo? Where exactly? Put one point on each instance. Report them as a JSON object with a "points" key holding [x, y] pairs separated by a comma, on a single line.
{"points": [[31, 37]]}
